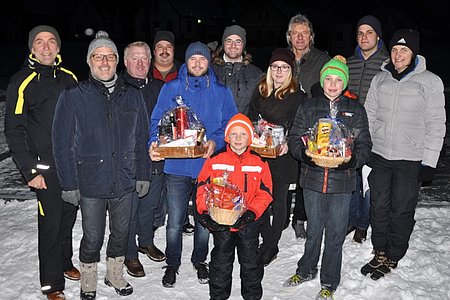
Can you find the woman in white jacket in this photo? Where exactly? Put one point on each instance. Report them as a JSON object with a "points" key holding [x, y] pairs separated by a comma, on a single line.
{"points": [[405, 108]]}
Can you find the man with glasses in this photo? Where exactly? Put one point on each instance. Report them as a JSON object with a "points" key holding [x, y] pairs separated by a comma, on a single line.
{"points": [[233, 67], [99, 138], [308, 62]]}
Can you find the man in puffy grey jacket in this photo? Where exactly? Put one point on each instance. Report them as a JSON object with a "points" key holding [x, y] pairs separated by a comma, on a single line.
{"points": [[406, 111], [99, 138]]}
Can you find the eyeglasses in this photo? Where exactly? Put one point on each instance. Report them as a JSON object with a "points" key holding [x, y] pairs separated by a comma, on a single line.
{"points": [[101, 57], [228, 42], [283, 68]]}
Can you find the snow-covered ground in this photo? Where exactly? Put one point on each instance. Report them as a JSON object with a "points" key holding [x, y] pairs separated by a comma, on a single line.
{"points": [[424, 273]]}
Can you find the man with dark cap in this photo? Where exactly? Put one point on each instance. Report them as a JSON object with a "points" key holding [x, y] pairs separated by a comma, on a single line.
{"points": [[233, 66], [99, 138], [31, 99], [406, 110], [213, 103], [370, 53], [164, 66]]}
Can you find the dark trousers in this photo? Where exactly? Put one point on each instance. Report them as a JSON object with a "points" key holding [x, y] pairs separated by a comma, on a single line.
{"points": [[394, 192], [271, 230], [222, 259], [56, 219]]}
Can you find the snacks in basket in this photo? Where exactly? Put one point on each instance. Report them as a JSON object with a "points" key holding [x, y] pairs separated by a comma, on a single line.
{"points": [[225, 201], [268, 138], [329, 142], [181, 130]]}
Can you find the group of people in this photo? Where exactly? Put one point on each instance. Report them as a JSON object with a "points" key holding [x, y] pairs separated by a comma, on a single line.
{"points": [[92, 145]]}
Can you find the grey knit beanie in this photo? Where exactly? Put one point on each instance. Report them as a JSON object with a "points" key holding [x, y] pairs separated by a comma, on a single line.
{"points": [[198, 48], [237, 30], [39, 29], [102, 40]]}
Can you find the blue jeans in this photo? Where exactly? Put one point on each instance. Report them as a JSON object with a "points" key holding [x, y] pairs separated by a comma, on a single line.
{"points": [[327, 212], [142, 217], [93, 220], [359, 207], [179, 190]]}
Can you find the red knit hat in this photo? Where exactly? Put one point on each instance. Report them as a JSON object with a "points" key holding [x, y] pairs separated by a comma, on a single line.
{"points": [[240, 120]]}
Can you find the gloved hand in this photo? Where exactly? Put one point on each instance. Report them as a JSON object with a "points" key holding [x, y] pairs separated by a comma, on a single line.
{"points": [[426, 174], [207, 222], [72, 197], [248, 217], [347, 165], [142, 188], [306, 159]]}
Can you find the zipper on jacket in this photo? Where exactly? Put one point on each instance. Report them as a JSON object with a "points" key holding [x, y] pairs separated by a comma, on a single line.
{"points": [[325, 181], [245, 182]]}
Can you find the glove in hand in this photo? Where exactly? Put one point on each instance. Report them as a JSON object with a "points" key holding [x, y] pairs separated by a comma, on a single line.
{"points": [[72, 197], [207, 222], [248, 217], [426, 173], [347, 165], [142, 188]]}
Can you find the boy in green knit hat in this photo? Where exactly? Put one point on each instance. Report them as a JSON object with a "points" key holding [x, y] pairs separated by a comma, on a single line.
{"points": [[328, 190]]}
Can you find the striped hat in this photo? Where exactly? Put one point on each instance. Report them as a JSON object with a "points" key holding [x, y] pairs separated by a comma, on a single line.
{"points": [[336, 66], [240, 120]]}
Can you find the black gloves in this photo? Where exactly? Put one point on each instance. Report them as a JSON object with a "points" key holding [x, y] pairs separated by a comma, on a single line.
{"points": [[306, 159], [426, 174], [248, 217], [347, 165], [207, 222], [72, 197]]}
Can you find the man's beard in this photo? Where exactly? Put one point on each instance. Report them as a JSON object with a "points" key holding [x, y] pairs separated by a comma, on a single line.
{"points": [[202, 74]]}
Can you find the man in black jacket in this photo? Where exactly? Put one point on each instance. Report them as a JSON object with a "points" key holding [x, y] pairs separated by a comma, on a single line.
{"points": [[137, 59], [99, 138], [31, 99]]}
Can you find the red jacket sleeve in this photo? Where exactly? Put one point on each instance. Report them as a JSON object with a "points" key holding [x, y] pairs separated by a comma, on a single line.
{"points": [[263, 196]]}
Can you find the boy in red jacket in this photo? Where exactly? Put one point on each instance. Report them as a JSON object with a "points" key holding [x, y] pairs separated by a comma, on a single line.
{"points": [[247, 171]]}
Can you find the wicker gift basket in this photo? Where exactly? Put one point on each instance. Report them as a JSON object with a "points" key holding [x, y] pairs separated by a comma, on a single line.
{"points": [[329, 143], [224, 200], [327, 161]]}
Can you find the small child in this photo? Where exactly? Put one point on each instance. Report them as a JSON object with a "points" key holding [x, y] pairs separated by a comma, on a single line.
{"points": [[247, 171]]}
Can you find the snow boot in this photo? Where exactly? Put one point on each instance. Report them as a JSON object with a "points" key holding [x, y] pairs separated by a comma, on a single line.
{"points": [[384, 269], [114, 276], [88, 281], [376, 262]]}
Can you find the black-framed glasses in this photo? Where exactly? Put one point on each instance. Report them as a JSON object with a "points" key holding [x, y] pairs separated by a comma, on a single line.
{"points": [[236, 42], [101, 57], [283, 68]]}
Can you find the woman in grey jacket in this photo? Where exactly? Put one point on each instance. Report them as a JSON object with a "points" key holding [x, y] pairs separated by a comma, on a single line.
{"points": [[405, 108]]}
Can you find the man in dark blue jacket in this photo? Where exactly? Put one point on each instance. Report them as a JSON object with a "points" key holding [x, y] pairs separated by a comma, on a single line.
{"points": [[100, 146], [214, 105]]}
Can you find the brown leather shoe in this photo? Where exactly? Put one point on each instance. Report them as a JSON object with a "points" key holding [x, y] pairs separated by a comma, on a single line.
{"points": [[134, 267], [153, 253], [72, 274], [58, 295]]}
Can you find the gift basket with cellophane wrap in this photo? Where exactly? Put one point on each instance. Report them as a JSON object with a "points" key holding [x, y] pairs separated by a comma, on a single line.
{"points": [[329, 143], [268, 138], [181, 134], [225, 201]]}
